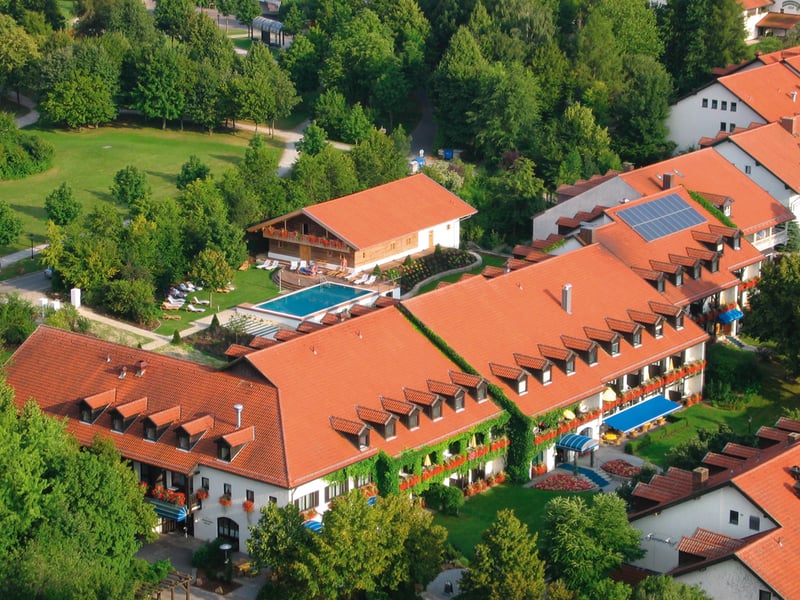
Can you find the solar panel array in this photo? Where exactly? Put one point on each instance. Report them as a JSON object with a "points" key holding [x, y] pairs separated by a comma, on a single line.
{"points": [[661, 217]]}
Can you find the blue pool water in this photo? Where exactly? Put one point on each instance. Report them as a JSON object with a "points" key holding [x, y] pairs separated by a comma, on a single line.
{"points": [[309, 301]]}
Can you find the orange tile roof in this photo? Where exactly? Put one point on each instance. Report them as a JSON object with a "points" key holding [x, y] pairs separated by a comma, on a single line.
{"points": [[198, 425], [443, 388], [372, 415], [779, 21], [769, 486], [490, 320], [633, 250], [766, 90], [389, 211], [240, 437], [176, 390], [327, 373], [536, 363], [347, 426], [734, 449], [130, 409], [709, 544], [708, 173], [101, 399], [775, 149], [751, 4]]}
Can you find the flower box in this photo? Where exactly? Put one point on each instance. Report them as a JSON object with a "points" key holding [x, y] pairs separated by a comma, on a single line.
{"points": [[225, 500], [248, 506], [201, 494]]}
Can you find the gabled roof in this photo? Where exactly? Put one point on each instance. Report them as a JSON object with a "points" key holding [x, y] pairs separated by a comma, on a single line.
{"points": [[377, 361], [385, 212], [708, 173], [240, 437], [632, 249], [766, 90], [178, 393], [779, 20], [496, 321], [709, 544], [132, 408], [775, 149]]}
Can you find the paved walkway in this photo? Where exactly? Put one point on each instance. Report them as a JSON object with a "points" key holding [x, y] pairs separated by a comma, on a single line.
{"points": [[28, 118]]}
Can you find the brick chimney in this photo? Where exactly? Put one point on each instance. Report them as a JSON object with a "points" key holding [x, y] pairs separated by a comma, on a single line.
{"points": [[791, 125], [666, 180], [699, 477]]}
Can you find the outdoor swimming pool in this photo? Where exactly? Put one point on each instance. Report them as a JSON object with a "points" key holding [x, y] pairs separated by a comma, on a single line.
{"points": [[304, 303]]}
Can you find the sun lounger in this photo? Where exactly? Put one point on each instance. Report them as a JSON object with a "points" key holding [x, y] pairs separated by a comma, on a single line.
{"points": [[197, 300], [171, 317], [361, 279], [370, 280], [168, 306], [193, 308], [176, 301], [294, 265], [351, 276], [268, 265]]}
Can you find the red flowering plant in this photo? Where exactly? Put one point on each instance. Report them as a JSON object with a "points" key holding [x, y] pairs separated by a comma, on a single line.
{"points": [[159, 492], [308, 514], [248, 506], [201, 494], [621, 468], [369, 490], [225, 499], [178, 498], [564, 483]]}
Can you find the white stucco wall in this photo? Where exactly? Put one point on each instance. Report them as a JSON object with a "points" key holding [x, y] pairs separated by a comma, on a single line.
{"points": [[765, 179], [709, 511], [725, 580], [688, 121], [609, 193]]}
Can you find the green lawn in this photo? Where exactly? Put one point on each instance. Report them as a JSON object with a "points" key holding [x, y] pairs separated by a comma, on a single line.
{"points": [[87, 160], [243, 43], [777, 392], [488, 259], [479, 513], [253, 285]]}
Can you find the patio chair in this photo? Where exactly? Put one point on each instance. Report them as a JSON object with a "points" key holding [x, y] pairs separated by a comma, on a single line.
{"points": [[193, 308], [303, 264], [361, 279], [370, 280], [168, 306], [294, 265], [176, 301], [351, 276], [197, 300]]}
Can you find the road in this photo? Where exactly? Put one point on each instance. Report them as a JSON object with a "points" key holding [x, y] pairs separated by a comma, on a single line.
{"points": [[33, 286]]}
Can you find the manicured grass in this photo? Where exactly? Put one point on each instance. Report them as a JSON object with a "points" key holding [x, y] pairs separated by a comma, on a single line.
{"points": [[488, 259], [479, 513], [243, 43], [253, 285], [87, 160], [777, 393]]}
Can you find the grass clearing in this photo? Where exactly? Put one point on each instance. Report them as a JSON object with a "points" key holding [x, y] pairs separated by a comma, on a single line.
{"points": [[480, 511], [253, 285], [87, 160], [778, 392], [118, 336]]}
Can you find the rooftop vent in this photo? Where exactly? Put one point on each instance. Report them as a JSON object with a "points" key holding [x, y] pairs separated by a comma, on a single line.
{"points": [[123, 372], [238, 408], [566, 298], [141, 367]]}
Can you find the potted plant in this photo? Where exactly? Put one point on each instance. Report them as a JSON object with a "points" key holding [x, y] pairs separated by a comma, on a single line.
{"points": [[202, 494], [225, 499], [248, 506]]}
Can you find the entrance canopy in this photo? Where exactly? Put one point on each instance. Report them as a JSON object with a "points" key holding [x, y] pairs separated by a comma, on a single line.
{"points": [[729, 316], [169, 510], [644, 412], [313, 525], [577, 443]]}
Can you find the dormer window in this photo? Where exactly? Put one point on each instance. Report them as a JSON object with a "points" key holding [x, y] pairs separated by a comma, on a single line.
{"points": [[714, 266], [436, 410], [363, 439], [390, 429], [678, 322], [383, 421], [120, 424], [475, 385], [90, 415], [93, 406], [591, 355], [229, 446], [614, 347], [678, 278], [157, 424], [355, 431], [405, 411], [412, 420], [452, 393], [736, 242], [660, 284], [569, 365], [193, 431], [658, 329], [636, 338], [427, 401], [547, 374], [696, 271], [539, 367], [123, 416], [183, 441], [513, 376]]}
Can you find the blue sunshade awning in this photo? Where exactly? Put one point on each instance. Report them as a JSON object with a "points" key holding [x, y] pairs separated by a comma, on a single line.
{"points": [[729, 316], [169, 510], [313, 525], [644, 412], [578, 443]]}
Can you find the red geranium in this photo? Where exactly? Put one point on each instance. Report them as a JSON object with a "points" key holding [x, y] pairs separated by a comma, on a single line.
{"points": [[248, 506], [564, 483], [621, 468]]}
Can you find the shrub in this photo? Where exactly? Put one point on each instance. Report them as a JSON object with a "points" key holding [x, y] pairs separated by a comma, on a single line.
{"points": [[448, 500], [176, 337]]}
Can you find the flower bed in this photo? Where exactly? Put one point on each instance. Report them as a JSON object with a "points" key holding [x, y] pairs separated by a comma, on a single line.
{"points": [[621, 468], [564, 483]]}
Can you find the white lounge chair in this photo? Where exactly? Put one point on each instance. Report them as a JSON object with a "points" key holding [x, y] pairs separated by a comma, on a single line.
{"points": [[361, 279], [197, 300], [352, 276], [193, 308], [294, 265], [268, 265], [370, 280], [303, 264], [176, 301]]}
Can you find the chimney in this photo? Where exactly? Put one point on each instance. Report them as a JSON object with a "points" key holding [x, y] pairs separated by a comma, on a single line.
{"points": [[699, 477], [238, 408], [666, 181], [793, 438], [141, 367], [790, 125], [123, 372], [566, 298]]}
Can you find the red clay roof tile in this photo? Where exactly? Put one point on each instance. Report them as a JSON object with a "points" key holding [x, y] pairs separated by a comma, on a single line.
{"points": [[95, 401], [372, 415], [240, 437], [443, 388], [505, 372], [347, 426], [132, 408], [166, 416], [398, 407], [529, 363], [198, 425]]}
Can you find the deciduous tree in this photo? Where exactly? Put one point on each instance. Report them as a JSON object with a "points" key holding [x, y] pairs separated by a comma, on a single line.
{"points": [[584, 542], [666, 588], [377, 160], [159, 89], [61, 205], [507, 564], [10, 224], [131, 187]]}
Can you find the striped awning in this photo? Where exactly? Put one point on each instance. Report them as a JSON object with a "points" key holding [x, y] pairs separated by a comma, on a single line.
{"points": [[639, 414], [729, 316], [577, 443], [169, 510], [313, 525]]}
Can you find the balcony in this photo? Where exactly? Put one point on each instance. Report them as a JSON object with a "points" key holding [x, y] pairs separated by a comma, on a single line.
{"points": [[297, 237]]}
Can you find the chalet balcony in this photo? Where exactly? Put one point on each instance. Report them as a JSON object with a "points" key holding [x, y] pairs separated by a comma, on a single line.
{"points": [[307, 239]]}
